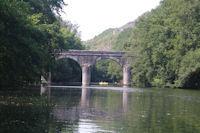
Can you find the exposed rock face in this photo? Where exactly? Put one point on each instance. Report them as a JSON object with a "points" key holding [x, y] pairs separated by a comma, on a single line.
{"points": [[128, 25]]}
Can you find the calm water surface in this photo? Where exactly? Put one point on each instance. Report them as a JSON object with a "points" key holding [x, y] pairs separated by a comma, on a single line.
{"points": [[79, 109]]}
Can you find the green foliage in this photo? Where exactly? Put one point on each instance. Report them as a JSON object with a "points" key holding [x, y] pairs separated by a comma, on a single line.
{"points": [[29, 33], [165, 45], [115, 71], [189, 72], [21, 43], [107, 70], [120, 43], [157, 82]]}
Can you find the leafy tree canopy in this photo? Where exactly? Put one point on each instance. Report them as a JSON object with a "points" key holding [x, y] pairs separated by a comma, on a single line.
{"points": [[165, 44], [30, 30]]}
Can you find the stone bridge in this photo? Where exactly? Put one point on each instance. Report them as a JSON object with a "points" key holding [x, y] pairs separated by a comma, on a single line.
{"points": [[86, 59]]}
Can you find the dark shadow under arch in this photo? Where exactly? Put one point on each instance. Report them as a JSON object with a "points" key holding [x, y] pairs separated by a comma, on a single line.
{"points": [[66, 70]]}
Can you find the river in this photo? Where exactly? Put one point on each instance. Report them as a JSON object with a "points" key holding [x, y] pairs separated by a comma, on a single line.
{"points": [[68, 109]]}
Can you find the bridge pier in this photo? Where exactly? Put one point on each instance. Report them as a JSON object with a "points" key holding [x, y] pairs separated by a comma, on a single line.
{"points": [[86, 74], [126, 75]]}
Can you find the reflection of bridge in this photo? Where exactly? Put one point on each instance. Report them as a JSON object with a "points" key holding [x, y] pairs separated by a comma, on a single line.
{"points": [[85, 107], [86, 59]]}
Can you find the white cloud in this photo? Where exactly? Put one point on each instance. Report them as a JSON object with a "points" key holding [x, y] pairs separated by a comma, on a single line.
{"points": [[94, 16]]}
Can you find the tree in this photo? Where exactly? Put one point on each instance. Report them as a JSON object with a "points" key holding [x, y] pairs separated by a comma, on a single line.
{"points": [[30, 31], [161, 40]]}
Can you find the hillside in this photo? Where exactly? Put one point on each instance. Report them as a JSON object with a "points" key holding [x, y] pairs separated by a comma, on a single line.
{"points": [[101, 42], [108, 40]]}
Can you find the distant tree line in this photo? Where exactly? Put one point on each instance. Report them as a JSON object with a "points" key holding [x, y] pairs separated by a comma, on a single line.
{"points": [[30, 31]]}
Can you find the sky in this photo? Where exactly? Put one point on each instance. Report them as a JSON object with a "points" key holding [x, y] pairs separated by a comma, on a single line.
{"points": [[95, 16]]}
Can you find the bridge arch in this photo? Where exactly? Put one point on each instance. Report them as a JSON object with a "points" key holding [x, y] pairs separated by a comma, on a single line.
{"points": [[86, 59], [68, 57], [111, 58]]}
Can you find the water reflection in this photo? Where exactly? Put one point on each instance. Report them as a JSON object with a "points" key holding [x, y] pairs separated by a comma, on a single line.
{"points": [[82, 115], [85, 98], [127, 110], [125, 100], [42, 89], [24, 111]]}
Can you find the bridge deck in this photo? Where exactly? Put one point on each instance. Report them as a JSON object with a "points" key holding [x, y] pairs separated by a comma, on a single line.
{"points": [[87, 52]]}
